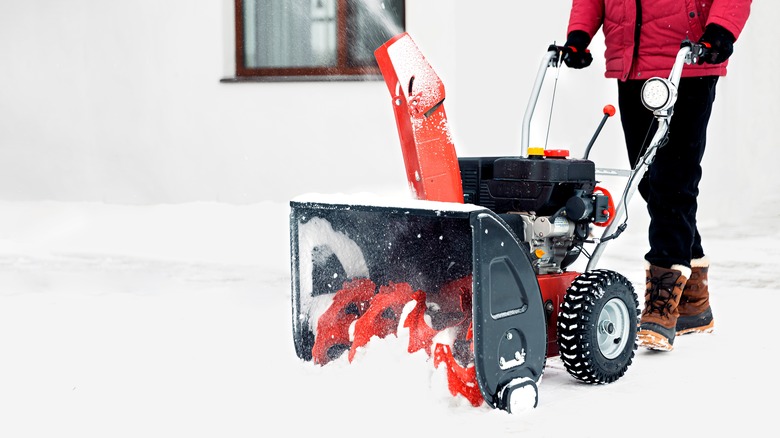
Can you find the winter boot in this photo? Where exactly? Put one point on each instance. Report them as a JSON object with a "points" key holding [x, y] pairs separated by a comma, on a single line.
{"points": [[658, 323], [695, 311]]}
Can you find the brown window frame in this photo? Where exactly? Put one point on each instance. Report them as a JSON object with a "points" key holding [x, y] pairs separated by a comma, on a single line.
{"points": [[341, 71]]}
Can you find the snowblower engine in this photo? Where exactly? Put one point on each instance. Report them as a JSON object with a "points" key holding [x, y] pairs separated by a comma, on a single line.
{"points": [[549, 200]]}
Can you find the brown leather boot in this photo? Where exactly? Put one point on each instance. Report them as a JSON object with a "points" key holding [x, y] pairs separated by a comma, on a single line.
{"points": [[694, 308], [658, 323]]}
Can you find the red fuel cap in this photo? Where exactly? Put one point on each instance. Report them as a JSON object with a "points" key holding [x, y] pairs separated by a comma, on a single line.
{"points": [[556, 153]]}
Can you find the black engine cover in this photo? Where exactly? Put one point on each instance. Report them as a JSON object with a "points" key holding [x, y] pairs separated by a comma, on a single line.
{"points": [[542, 185]]}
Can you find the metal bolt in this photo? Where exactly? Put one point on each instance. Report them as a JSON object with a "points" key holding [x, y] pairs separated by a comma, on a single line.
{"points": [[607, 327]]}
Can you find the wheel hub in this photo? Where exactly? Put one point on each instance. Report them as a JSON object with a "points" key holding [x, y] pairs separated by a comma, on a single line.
{"points": [[613, 327]]}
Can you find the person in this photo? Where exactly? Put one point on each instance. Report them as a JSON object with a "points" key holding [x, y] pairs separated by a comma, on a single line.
{"points": [[641, 40]]}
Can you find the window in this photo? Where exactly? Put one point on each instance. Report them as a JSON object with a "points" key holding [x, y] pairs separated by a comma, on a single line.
{"points": [[313, 39]]}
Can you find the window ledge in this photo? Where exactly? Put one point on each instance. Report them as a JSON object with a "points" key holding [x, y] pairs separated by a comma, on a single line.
{"points": [[329, 78]]}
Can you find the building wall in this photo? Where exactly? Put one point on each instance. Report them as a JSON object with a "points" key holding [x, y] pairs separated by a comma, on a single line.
{"points": [[122, 102]]}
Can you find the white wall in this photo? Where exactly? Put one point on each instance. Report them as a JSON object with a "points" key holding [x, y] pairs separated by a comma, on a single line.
{"points": [[122, 102]]}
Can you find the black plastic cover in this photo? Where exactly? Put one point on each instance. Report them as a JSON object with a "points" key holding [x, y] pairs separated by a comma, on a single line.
{"points": [[541, 185]]}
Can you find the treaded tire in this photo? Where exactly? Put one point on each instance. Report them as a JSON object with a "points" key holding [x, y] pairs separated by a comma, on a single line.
{"points": [[597, 325]]}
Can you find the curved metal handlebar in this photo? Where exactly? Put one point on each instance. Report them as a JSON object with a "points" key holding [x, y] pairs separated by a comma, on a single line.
{"points": [[689, 53], [550, 58]]}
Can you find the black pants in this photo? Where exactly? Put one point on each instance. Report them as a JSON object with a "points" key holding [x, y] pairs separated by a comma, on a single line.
{"points": [[671, 185]]}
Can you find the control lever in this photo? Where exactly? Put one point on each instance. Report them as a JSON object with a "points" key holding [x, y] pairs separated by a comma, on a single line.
{"points": [[609, 111]]}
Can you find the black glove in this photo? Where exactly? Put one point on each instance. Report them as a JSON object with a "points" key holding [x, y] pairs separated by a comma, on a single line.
{"points": [[719, 43], [575, 51]]}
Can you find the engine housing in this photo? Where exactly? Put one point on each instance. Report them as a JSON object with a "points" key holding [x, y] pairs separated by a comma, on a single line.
{"points": [[548, 201]]}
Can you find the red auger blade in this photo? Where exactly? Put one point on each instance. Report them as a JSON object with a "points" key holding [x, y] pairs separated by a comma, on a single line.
{"points": [[349, 304], [382, 316]]}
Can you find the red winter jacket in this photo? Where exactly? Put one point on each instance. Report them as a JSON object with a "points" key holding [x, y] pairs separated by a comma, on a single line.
{"points": [[662, 25]]}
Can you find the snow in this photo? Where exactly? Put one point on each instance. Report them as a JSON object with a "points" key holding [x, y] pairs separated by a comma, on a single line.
{"points": [[400, 200], [175, 320]]}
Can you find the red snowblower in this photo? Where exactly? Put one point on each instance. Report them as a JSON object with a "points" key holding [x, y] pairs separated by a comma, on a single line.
{"points": [[473, 269]]}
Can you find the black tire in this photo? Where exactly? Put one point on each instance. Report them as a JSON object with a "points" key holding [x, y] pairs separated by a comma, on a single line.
{"points": [[597, 325]]}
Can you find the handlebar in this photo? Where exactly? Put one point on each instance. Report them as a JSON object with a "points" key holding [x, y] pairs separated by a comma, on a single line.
{"points": [[690, 53], [699, 51], [557, 53]]}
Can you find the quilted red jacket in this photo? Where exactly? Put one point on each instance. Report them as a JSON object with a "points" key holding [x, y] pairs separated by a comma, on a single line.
{"points": [[642, 37]]}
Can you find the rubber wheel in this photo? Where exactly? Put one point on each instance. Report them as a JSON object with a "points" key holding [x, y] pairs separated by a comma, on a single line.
{"points": [[597, 325]]}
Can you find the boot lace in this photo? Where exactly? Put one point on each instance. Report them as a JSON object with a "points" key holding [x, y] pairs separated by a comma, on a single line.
{"points": [[661, 292]]}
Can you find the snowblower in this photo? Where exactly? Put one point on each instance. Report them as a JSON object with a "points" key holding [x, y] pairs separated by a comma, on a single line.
{"points": [[474, 267]]}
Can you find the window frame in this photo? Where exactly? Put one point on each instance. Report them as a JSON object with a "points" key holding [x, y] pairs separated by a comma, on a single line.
{"points": [[340, 72]]}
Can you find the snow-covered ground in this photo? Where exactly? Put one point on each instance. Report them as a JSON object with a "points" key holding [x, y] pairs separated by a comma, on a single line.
{"points": [[175, 320]]}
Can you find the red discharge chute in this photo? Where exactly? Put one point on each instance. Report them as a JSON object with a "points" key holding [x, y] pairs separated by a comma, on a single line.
{"points": [[418, 95]]}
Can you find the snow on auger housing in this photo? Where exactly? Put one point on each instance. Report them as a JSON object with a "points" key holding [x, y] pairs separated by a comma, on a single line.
{"points": [[474, 268]]}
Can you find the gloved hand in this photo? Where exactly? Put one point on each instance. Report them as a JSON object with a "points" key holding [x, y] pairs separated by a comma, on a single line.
{"points": [[719, 43], [575, 51]]}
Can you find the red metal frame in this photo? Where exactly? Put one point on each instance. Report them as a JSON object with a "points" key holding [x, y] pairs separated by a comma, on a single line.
{"points": [[553, 287]]}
